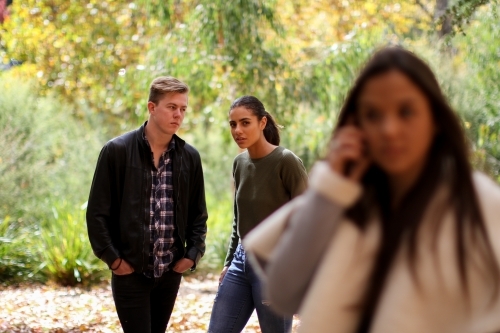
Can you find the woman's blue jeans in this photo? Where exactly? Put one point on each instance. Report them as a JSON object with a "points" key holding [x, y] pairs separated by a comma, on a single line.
{"points": [[238, 295]]}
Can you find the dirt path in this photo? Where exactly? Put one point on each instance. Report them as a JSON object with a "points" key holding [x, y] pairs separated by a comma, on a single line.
{"points": [[37, 309]]}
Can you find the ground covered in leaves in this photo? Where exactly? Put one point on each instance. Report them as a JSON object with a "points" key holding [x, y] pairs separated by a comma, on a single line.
{"points": [[54, 309]]}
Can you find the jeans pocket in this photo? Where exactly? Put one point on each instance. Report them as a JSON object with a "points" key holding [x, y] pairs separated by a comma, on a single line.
{"points": [[239, 254]]}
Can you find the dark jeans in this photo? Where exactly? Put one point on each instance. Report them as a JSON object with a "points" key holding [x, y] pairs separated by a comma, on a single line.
{"points": [[238, 295], [144, 305]]}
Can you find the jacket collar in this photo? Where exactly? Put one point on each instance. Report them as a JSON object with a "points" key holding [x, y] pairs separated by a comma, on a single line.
{"points": [[179, 143]]}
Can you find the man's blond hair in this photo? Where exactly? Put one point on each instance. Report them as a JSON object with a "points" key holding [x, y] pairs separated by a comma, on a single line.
{"points": [[164, 85]]}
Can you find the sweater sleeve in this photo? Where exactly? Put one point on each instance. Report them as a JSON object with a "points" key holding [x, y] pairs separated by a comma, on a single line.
{"points": [[293, 174], [235, 238], [309, 229], [233, 243]]}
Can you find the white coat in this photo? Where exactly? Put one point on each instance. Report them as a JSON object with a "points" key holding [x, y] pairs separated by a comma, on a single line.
{"points": [[436, 304]]}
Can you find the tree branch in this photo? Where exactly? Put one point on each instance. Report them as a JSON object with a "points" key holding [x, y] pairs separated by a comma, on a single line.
{"points": [[425, 9]]}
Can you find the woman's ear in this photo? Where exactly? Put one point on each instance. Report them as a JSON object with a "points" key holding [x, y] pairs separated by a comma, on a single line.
{"points": [[263, 123]]}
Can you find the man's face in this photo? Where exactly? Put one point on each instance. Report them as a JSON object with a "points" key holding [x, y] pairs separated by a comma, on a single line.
{"points": [[168, 114]]}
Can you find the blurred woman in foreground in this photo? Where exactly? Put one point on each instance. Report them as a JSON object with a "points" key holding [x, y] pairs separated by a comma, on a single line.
{"points": [[395, 233]]}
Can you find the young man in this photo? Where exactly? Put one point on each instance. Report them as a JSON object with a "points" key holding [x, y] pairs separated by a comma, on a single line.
{"points": [[146, 214]]}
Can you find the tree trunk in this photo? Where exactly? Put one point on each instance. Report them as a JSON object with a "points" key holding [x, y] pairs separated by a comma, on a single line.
{"points": [[440, 15]]}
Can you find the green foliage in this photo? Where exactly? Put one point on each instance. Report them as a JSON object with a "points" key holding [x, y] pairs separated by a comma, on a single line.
{"points": [[217, 153], [313, 94], [17, 261], [40, 145], [217, 52], [220, 212], [45, 156], [462, 11], [236, 30], [76, 48], [478, 97], [67, 256], [235, 37], [18, 124]]}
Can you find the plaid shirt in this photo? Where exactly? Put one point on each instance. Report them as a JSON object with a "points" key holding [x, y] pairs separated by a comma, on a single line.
{"points": [[161, 223]]}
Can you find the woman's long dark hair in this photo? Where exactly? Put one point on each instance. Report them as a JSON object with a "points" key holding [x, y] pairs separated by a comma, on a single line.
{"points": [[271, 131], [447, 164]]}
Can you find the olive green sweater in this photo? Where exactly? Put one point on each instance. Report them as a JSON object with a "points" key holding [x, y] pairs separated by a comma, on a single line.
{"points": [[261, 187]]}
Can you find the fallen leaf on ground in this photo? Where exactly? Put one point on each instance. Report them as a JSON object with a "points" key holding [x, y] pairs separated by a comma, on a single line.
{"points": [[55, 309]]}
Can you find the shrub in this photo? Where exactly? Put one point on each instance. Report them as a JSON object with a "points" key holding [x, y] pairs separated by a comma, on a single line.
{"points": [[220, 212], [17, 261], [479, 90], [46, 156], [46, 153], [67, 256]]}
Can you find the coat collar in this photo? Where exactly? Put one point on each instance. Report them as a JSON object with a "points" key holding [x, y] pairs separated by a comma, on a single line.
{"points": [[179, 143]]}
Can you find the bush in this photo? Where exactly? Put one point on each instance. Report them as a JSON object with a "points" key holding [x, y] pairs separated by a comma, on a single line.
{"points": [[67, 256], [17, 262], [46, 156], [217, 154], [478, 96], [220, 212]]}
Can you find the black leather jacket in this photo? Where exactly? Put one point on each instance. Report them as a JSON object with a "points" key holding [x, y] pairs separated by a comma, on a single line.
{"points": [[118, 211]]}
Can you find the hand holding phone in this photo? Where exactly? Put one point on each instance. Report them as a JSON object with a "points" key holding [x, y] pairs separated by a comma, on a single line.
{"points": [[347, 153]]}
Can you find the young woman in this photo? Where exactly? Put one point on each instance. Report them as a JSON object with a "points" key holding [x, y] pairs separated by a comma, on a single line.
{"points": [[266, 176], [395, 233]]}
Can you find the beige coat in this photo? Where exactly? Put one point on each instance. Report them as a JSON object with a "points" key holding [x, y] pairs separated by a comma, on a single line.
{"points": [[436, 304]]}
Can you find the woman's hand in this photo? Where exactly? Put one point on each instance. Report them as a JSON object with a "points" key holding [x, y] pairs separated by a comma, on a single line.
{"points": [[183, 265], [124, 267], [223, 273], [347, 153]]}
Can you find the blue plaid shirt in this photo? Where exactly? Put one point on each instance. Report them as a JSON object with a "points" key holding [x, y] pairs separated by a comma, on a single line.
{"points": [[161, 223]]}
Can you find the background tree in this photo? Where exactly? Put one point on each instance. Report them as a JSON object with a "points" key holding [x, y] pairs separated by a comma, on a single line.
{"points": [[77, 49]]}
